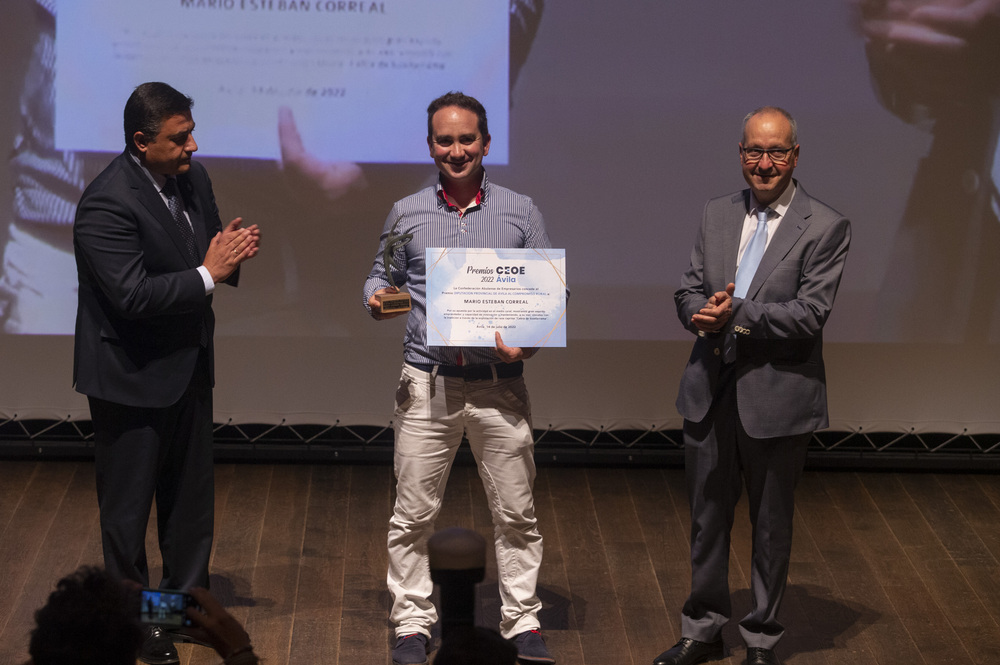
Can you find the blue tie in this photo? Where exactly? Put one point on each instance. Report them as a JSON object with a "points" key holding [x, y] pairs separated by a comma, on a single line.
{"points": [[752, 256]]}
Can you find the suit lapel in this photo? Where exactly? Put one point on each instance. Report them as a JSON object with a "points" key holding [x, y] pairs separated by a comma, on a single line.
{"points": [[792, 226], [150, 199]]}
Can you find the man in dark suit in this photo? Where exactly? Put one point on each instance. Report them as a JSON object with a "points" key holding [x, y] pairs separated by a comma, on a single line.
{"points": [[754, 389], [150, 249]]}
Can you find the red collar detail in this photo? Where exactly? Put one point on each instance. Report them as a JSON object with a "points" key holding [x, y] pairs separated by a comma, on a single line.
{"points": [[444, 196]]}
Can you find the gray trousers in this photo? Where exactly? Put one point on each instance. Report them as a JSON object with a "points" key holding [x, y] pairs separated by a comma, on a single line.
{"points": [[719, 458]]}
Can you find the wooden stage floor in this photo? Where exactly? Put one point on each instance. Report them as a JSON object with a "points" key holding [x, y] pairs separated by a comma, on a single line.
{"points": [[886, 568]]}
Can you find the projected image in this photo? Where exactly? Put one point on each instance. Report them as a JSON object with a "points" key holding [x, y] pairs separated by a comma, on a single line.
{"points": [[619, 119], [936, 64], [349, 73], [295, 96]]}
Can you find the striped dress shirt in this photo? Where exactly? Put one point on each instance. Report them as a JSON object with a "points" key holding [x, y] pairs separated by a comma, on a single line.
{"points": [[499, 219]]}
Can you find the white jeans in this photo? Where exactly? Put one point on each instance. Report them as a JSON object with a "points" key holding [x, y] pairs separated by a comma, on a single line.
{"points": [[431, 414]]}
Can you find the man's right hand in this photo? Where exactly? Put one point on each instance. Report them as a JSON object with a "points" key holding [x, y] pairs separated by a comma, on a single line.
{"points": [[231, 247], [376, 306], [714, 316]]}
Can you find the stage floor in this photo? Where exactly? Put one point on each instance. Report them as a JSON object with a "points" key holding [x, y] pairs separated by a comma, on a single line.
{"points": [[886, 568]]}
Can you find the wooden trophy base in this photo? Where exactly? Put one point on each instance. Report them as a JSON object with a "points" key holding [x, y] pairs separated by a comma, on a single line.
{"points": [[394, 302]]}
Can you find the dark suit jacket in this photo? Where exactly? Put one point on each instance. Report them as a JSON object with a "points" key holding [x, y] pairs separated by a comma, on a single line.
{"points": [[143, 315], [781, 382]]}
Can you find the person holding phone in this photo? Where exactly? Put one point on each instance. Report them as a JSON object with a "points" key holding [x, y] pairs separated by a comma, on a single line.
{"points": [[93, 617]]}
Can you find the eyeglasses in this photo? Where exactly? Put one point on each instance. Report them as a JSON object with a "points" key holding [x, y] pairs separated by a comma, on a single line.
{"points": [[777, 155]]}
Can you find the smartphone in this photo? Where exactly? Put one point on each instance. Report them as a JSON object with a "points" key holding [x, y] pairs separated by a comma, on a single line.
{"points": [[165, 608]]}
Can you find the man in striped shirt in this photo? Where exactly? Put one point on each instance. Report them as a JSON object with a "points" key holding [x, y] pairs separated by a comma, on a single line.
{"points": [[445, 392]]}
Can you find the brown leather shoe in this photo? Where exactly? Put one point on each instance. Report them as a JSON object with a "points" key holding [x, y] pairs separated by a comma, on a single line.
{"points": [[691, 652]]}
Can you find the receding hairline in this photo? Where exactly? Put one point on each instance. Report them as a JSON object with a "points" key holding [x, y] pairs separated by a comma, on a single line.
{"points": [[772, 110]]}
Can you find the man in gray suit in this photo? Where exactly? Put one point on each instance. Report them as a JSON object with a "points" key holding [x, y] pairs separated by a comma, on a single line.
{"points": [[764, 273]]}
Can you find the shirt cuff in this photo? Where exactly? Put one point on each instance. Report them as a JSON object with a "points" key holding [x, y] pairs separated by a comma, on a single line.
{"points": [[207, 278]]}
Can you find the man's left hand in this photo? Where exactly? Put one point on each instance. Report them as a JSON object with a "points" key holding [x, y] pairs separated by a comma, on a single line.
{"points": [[511, 354], [231, 247]]}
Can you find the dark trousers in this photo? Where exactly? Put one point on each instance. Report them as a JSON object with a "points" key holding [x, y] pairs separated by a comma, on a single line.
{"points": [[161, 453], [719, 457]]}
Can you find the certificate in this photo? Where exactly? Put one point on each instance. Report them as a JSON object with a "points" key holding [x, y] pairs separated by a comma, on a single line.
{"points": [[474, 293], [357, 76]]}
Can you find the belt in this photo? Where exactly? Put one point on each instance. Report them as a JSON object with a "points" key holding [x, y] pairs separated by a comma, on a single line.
{"points": [[474, 372]]}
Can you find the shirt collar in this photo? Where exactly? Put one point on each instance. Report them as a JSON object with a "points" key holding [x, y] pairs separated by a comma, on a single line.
{"points": [[158, 179], [481, 195], [780, 206]]}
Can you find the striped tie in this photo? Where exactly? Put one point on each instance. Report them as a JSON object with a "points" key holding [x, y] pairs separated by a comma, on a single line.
{"points": [[176, 207]]}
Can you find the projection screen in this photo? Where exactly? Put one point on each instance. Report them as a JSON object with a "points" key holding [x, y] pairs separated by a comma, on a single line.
{"points": [[620, 119]]}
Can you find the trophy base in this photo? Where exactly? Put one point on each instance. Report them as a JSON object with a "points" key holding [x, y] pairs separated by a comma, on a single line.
{"points": [[394, 302]]}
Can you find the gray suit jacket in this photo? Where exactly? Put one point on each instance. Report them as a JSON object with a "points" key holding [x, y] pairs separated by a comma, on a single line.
{"points": [[778, 327]]}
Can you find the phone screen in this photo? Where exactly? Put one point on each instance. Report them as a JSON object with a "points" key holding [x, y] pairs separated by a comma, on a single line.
{"points": [[165, 608]]}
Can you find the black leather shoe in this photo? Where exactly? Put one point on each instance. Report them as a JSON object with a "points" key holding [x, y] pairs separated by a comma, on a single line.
{"points": [[157, 648], [690, 652], [759, 656]]}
